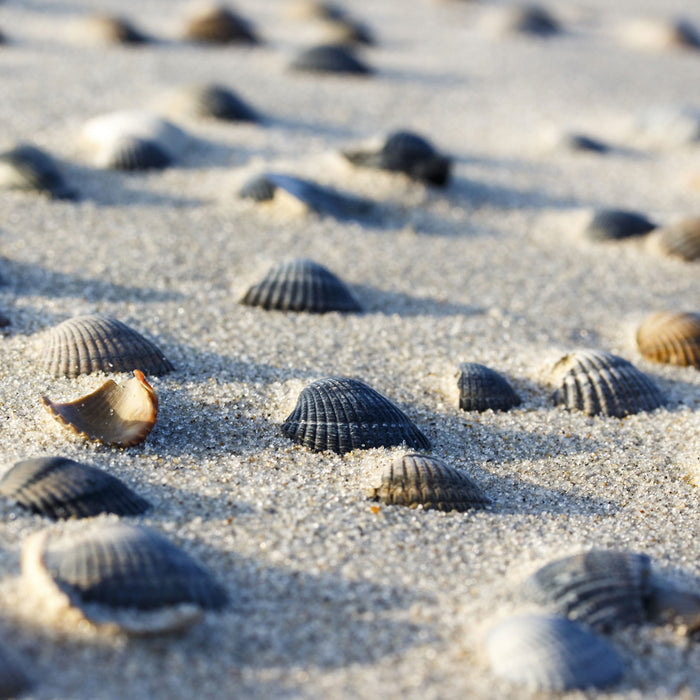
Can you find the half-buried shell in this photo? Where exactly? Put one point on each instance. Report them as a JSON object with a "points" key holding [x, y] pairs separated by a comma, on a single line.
{"points": [[330, 58], [115, 414], [681, 240], [481, 389], [14, 679], [216, 24], [671, 337], [212, 101], [28, 168], [110, 29], [616, 224]]}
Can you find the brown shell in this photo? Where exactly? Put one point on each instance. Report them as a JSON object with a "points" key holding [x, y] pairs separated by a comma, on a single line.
{"points": [[682, 239], [671, 337], [115, 414], [214, 23]]}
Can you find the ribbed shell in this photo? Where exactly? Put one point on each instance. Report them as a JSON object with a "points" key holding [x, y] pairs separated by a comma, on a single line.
{"points": [[600, 383], [330, 58], [418, 480], [551, 653], [61, 488], [215, 101], [217, 24], [615, 224], [97, 343], [602, 588], [340, 414], [682, 239], [481, 389], [134, 153], [29, 168], [671, 337], [301, 285], [14, 679]]}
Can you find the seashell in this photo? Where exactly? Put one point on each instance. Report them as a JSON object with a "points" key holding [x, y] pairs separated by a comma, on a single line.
{"points": [[660, 34], [120, 575], [533, 20], [615, 224], [341, 414], [601, 588], [418, 480], [600, 383], [481, 389], [315, 9], [115, 414], [14, 679], [407, 153], [681, 240], [301, 285], [216, 24], [551, 653], [29, 168], [330, 58], [345, 30], [572, 141], [213, 101], [61, 488], [111, 29], [97, 343], [671, 337], [669, 605]]}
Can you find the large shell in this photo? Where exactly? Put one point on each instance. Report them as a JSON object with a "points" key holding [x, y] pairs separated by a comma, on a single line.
{"points": [[615, 224], [681, 240], [26, 167], [14, 679], [120, 575], [301, 285], [213, 101], [61, 488], [481, 389], [216, 24], [600, 383], [330, 58], [341, 414], [602, 588], [97, 343], [115, 414], [418, 480], [671, 337], [551, 653]]}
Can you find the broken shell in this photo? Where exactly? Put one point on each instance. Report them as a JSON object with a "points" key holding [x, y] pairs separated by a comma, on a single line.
{"points": [[120, 575], [330, 58], [341, 414], [61, 488], [671, 337], [111, 29], [14, 680], [212, 101], [481, 389], [301, 285], [29, 168], [97, 343], [600, 383], [216, 24], [681, 240], [615, 224], [115, 414], [418, 480]]}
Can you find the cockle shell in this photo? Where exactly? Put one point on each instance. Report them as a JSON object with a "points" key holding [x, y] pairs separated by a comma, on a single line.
{"points": [[121, 576], [671, 337], [211, 100], [330, 58], [615, 224], [217, 24], [97, 343], [340, 414], [115, 414], [681, 240], [26, 167], [544, 652], [61, 488], [600, 383], [416, 480], [110, 29], [481, 389], [14, 679], [301, 285]]}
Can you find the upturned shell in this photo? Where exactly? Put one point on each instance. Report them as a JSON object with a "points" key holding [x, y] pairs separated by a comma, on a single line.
{"points": [[341, 414], [97, 343], [14, 679], [600, 383], [481, 389], [681, 240], [671, 337], [551, 653], [615, 224], [29, 168], [301, 285], [120, 575], [212, 101], [418, 480], [330, 58], [115, 414], [61, 488], [216, 24]]}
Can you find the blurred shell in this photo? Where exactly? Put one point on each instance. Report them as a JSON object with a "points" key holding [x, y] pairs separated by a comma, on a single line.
{"points": [[211, 100], [657, 34], [573, 141], [120, 575], [418, 480], [329, 58], [61, 488], [301, 285], [481, 389], [115, 414], [551, 653], [615, 224], [314, 9], [346, 30], [111, 29], [533, 20], [681, 239], [96, 343], [600, 383], [213, 23], [14, 679], [341, 414], [29, 168], [671, 337], [669, 605]]}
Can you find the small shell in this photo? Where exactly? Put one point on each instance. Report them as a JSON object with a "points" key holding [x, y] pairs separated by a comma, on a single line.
{"points": [[681, 240], [615, 224], [111, 29], [96, 343], [481, 389], [572, 141], [671, 337], [61, 488], [14, 679], [551, 653], [120, 575], [216, 24], [600, 383], [341, 414], [418, 480], [602, 588], [212, 101], [533, 20], [330, 58], [28, 168], [115, 414], [301, 285], [346, 30]]}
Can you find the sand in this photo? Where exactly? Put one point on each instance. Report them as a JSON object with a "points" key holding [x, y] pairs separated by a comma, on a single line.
{"points": [[333, 596]]}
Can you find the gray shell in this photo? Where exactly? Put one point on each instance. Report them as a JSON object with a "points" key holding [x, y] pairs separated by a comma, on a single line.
{"points": [[14, 679], [602, 588], [61, 488], [217, 102], [341, 414], [418, 480], [97, 343], [301, 285], [616, 224], [681, 240], [330, 58], [481, 389], [600, 383], [217, 24], [551, 653], [671, 337], [28, 168]]}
